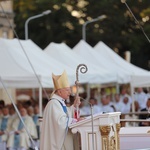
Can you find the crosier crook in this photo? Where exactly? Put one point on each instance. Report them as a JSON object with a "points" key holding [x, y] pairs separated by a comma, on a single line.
{"points": [[83, 69]]}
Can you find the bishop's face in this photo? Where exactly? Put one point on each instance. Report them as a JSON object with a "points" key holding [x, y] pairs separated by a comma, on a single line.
{"points": [[64, 93]]}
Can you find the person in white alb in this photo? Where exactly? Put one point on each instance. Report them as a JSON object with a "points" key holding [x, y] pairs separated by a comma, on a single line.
{"points": [[55, 134], [4, 121], [18, 138], [106, 105], [117, 103], [141, 98]]}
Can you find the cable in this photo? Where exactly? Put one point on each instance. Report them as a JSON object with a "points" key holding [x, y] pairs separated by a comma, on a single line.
{"points": [[36, 148], [137, 22], [18, 113]]}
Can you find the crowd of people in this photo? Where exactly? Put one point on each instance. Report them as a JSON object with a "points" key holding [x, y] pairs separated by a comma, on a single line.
{"points": [[14, 132], [13, 135], [121, 102]]}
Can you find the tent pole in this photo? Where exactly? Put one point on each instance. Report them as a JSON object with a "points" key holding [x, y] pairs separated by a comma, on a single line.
{"points": [[34, 93], [88, 91], [117, 88], [132, 96], [40, 101]]}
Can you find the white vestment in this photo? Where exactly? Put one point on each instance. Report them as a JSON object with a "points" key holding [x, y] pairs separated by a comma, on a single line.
{"points": [[54, 124], [3, 126], [141, 98], [4, 136], [24, 138]]}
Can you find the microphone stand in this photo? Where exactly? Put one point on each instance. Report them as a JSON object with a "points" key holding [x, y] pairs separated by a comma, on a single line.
{"points": [[92, 125], [35, 147]]}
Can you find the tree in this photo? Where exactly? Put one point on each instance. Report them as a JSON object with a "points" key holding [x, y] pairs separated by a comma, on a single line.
{"points": [[119, 30]]}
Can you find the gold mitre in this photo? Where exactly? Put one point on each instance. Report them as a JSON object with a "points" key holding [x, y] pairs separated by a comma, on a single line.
{"points": [[60, 81]]}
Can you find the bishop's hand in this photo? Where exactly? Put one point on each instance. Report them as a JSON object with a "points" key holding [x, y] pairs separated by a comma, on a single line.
{"points": [[77, 101]]}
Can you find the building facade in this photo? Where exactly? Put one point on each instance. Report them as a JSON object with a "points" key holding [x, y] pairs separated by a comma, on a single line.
{"points": [[6, 19]]}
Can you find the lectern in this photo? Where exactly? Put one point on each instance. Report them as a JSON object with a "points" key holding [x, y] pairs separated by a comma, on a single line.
{"points": [[105, 132]]}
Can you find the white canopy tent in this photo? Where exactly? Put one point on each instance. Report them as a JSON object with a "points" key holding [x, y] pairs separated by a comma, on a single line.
{"points": [[65, 55], [15, 67], [85, 51], [138, 76], [104, 57]]}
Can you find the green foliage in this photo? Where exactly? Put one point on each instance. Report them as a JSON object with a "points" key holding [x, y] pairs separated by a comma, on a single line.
{"points": [[119, 30]]}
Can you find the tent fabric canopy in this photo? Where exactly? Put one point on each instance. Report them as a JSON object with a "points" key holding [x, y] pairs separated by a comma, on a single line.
{"points": [[16, 70], [66, 56], [104, 65], [140, 81], [84, 50], [63, 54], [111, 56], [138, 77]]}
